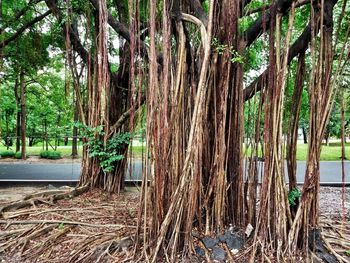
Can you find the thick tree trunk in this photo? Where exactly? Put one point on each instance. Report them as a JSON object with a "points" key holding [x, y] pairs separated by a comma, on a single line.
{"points": [[234, 112], [102, 93], [320, 96], [274, 214]]}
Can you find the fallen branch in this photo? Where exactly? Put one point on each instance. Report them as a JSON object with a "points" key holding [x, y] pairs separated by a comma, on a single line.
{"points": [[44, 193], [49, 198], [35, 212], [33, 222]]}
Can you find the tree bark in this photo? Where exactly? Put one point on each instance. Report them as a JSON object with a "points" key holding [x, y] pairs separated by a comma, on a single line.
{"points": [[18, 115], [320, 95], [75, 133], [46, 138], [18, 130], [23, 114]]}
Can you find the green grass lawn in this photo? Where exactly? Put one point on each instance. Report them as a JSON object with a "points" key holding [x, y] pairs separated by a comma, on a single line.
{"points": [[65, 151], [332, 152]]}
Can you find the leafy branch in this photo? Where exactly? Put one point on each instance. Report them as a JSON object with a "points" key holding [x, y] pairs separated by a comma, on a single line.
{"points": [[107, 153], [221, 48]]}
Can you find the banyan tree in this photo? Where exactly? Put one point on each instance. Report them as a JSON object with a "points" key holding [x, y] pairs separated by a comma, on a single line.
{"points": [[195, 122], [213, 79]]}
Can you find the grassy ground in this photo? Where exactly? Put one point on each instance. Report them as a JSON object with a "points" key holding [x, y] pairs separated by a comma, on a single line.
{"points": [[332, 152], [65, 151]]}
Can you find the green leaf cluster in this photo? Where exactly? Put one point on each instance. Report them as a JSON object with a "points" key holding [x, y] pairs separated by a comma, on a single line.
{"points": [[109, 152], [221, 48], [294, 195]]}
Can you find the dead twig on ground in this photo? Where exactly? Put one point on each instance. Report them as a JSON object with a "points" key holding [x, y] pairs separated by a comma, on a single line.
{"points": [[33, 222]]}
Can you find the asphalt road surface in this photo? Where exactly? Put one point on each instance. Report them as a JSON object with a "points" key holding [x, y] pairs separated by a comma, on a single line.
{"points": [[63, 172]]}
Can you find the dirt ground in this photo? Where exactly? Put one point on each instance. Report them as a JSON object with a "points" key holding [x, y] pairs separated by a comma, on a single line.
{"points": [[9, 194], [331, 201], [99, 227], [330, 197]]}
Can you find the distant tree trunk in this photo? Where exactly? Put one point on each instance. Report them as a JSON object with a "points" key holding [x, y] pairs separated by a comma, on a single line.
{"points": [[23, 114], [326, 138], [43, 133], [7, 139], [75, 134], [31, 141], [18, 115], [57, 139], [46, 135], [304, 134], [18, 131]]}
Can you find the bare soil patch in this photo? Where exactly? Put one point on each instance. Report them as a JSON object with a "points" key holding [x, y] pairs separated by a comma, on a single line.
{"points": [[10, 194]]}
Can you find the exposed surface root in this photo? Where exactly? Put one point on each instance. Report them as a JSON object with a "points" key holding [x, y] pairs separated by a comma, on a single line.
{"points": [[336, 236], [92, 227]]}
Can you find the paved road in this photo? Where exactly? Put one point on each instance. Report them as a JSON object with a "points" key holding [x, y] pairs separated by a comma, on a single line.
{"points": [[330, 172], [39, 171]]}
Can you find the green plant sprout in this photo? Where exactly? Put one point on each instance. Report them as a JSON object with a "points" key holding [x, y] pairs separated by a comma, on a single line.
{"points": [[294, 195]]}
